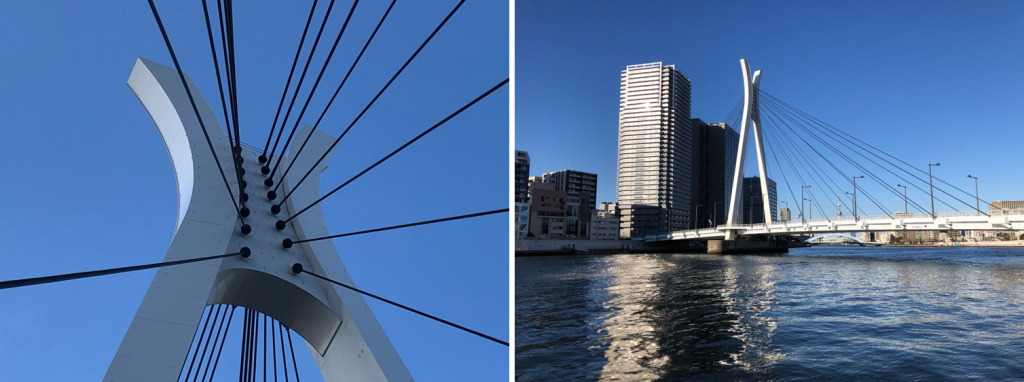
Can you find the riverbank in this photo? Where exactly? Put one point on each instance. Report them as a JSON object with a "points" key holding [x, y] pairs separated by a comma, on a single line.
{"points": [[1000, 244]]}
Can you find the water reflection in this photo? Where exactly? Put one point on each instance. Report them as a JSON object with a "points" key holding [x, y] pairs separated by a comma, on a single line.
{"points": [[633, 351], [716, 309], [813, 314]]}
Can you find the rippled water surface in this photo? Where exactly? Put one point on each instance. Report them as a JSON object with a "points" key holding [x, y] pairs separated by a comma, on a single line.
{"points": [[822, 313]]}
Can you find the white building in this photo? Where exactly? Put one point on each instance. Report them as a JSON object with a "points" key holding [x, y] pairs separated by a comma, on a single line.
{"points": [[604, 222], [521, 220], [653, 187]]}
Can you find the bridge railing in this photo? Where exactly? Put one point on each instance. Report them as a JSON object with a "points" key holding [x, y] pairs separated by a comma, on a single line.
{"points": [[846, 219]]}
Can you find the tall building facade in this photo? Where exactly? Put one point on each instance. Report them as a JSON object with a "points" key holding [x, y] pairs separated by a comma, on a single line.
{"points": [[753, 204], [521, 191], [581, 186], [522, 185], [713, 158], [653, 183]]}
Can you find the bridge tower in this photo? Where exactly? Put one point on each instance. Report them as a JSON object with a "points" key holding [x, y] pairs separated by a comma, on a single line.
{"points": [[342, 334], [751, 123]]}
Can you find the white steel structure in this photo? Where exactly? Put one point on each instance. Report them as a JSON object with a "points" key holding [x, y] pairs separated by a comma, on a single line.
{"points": [[751, 123], [341, 332]]}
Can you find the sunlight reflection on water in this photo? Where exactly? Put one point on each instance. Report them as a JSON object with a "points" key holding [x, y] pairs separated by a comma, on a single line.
{"points": [[816, 313]]}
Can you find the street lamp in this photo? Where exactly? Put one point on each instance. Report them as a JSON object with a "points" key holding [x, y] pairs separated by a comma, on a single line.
{"points": [[855, 196], [931, 190], [810, 210], [716, 213], [976, 200], [803, 217], [696, 217], [904, 197]]}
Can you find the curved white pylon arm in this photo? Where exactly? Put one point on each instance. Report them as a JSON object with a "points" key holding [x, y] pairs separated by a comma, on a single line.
{"points": [[342, 333], [751, 122]]}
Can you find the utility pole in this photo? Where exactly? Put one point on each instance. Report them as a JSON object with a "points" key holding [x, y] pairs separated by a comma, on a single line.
{"points": [[931, 190]]}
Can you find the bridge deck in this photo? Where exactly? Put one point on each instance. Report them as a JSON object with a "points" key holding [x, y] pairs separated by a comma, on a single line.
{"points": [[968, 220]]}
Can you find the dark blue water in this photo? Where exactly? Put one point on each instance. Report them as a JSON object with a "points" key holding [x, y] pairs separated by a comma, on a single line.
{"points": [[823, 313]]}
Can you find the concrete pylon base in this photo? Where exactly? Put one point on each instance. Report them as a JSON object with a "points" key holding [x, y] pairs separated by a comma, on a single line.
{"points": [[728, 247]]}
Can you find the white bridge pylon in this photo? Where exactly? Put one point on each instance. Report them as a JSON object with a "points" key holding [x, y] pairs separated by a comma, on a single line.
{"points": [[751, 123], [342, 334]]}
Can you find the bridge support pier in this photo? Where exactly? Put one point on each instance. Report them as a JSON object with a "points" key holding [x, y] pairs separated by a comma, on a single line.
{"points": [[728, 247]]}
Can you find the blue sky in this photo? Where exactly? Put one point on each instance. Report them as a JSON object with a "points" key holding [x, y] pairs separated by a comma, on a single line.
{"points": [[88, 183], [925, 81]]}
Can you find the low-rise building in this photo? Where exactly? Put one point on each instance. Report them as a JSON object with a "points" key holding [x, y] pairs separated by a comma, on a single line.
{"points": [[521, 221], [582, 189], [784, 214], [604, 222], [884, 236], [547, 210], [1006, 205]]}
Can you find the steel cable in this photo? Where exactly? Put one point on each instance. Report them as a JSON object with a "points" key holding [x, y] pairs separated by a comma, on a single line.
{"points": [[379, 93], [396, 151]]}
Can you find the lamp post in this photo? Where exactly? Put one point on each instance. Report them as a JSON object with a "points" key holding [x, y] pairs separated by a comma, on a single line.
{"points": [[977, 202], [855, 196], [716, 213], [931, 190], [904, 197], [811, 211], [696, 217], [803, 216]]}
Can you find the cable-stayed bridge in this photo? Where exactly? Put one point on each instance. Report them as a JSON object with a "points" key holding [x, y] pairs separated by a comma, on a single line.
{"points": [[805, 156]]}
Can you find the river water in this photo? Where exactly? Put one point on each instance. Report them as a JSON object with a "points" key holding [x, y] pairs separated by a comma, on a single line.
{"points": [[820, 313]]}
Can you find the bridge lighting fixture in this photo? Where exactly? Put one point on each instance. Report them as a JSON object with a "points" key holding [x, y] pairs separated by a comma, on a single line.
{"points": [[855, 196], [931, 189], [904, 197], [977, 203]]}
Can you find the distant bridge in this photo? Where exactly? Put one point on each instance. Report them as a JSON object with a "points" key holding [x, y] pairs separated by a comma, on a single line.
{"points": [[838, 239]]}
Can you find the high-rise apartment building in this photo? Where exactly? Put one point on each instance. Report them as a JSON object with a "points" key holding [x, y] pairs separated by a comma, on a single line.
{"points": [[653, 183], [522, 185], [713, 158], [753, 205], [581, 186]]}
